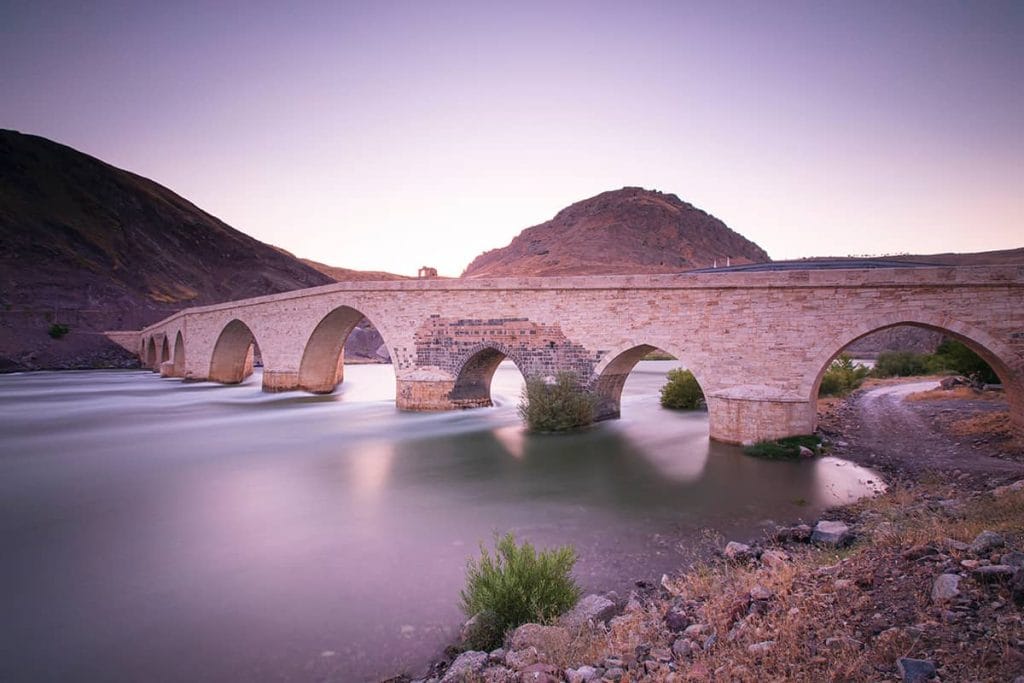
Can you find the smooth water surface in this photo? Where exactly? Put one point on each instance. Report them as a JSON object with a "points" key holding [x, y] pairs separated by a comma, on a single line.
{"points": [[160, 530]]}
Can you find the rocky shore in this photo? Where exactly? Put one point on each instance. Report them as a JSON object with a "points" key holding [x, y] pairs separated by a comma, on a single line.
{"points": [[922, 583]]}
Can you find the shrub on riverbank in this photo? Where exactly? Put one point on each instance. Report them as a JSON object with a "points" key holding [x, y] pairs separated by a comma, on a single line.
{"points": [[515, 586], [950, 356], [682, 391], [559, 406], [783, 449], [842, 377]]}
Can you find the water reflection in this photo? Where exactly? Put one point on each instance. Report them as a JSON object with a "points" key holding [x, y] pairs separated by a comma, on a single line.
{"points": [[191, 531]]}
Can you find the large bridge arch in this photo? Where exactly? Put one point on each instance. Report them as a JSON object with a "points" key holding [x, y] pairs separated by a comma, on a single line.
{"points": [[1008, 365], [323, 356], [611, 373], [151, 354], [232, 358], [476, 368]]}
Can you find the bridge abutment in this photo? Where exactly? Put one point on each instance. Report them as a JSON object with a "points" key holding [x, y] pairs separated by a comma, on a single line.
{"points": [[425, 390], [746, 421]]}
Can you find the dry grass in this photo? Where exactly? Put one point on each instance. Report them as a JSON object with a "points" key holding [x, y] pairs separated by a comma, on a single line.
{"points": [[985, 424], [833, 615], [954, 393]]}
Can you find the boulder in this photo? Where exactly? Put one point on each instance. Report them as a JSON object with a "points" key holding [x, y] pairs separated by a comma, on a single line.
{"points": [[1014, 559], [540, 673], [773, 558], [676, 620], [806, 452], [498, 674], [800, 533], [591, 608], [831, 533], [915, 670], [683, 648], [738, 552], [945, 588], [761, 648], [986, 542], [583, 674], [517, 660], [994, 573], [467, 667]]}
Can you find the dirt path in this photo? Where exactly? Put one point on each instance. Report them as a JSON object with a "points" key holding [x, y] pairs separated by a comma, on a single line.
{"points": [[878, 427]]}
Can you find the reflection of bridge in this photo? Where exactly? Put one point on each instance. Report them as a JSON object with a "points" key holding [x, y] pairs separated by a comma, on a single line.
{"points": [[758, 342]]}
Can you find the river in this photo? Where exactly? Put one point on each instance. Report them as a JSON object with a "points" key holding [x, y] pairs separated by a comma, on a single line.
{"points": [[160, 530]]}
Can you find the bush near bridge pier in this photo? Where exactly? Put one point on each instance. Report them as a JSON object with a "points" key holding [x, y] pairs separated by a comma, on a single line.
{"points": [[842, 377], [682, 391], [560, 406], [950, 356]]}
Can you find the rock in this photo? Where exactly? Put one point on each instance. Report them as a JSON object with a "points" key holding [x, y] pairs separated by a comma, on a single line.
{"points": [[591, 608], [694, 630], [613, 675], [540, 673], [759, 592], [583, 674], [761, 648], [545, 638], [1014, 559], [497, 656], [799, 534], [774, 558], [831, 533], [843, 642], [806, 452], [676, 620], [945, 588], [915, 670], [738, 552], [1017, 587], [948, 383], [920, 551], [843, 585], [498, 674], [1001, 491], [986, 542], [517, 660], [481, 630], [683, 648], [467, 667], [994, 573], [953, 544]]}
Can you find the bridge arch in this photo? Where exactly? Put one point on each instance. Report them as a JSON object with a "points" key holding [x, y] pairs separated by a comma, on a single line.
{"points": [[165, 350], [1003, 361], [323, 358], [233, 353], [476, 369], [179, 355], [611, 373], [151, 354]]}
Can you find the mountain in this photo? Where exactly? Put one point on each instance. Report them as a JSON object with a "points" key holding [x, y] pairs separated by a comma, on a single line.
{"points": [[631, 230], [92, 247]]}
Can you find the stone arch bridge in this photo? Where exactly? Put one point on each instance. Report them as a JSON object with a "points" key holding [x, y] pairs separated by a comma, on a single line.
{"points": [[758, 342]]}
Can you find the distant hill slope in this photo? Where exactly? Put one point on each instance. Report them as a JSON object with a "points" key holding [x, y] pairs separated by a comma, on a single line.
{"points": [[631, 230], [94, 247]]}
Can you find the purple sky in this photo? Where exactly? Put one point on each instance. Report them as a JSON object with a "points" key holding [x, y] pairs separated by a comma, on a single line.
{"points": [[387, 136]]}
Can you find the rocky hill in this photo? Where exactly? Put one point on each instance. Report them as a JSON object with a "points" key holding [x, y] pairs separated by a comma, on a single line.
{"points": [[92, 247], [631, 230]]}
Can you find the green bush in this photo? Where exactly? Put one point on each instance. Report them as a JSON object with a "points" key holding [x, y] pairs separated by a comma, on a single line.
{"points": [[57, 330], [784, 449], [953, 356], [901, 364], [682, 391], [517, 585], [842, 377], [560, 406]]}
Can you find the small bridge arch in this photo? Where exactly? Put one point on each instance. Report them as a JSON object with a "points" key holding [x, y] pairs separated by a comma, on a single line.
{"points": [[613, 370], [476, 369], [322, 366]]}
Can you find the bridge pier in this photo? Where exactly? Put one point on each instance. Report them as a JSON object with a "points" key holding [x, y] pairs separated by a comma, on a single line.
{"points": [[425, 390], [280, 380], [741, 420]]}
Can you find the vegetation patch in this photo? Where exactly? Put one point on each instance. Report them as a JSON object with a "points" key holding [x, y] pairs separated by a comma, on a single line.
{"points": [[559, 406], [784, 449], [682, 391], [842, 377], [950, 357], [58, 331], [517, 585]]}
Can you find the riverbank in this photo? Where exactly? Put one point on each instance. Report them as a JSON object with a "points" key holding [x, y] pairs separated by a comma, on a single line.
{"points": [[920, 582]]}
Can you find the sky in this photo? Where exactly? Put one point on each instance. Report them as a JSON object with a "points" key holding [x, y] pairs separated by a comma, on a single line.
{"points": [[391, 135]]}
